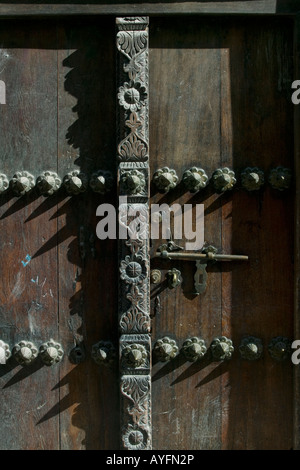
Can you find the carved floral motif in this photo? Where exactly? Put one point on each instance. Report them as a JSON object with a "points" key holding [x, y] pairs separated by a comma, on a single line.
{"points": [[134, 302], [132, 96]]}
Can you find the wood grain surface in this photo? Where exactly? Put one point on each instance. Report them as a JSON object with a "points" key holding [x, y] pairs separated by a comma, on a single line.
{"points": [[220, 96], [57, 117], [71, 8]]}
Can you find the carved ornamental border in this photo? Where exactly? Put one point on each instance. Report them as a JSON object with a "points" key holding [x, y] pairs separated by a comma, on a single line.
{"points": [[133, 186]]}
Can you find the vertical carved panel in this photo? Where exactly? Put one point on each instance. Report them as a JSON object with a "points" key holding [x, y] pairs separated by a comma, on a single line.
{"points": [[133, 179]]}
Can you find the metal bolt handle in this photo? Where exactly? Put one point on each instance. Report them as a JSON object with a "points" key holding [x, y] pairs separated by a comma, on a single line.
{"points": [[199, 256], [209, 253]]}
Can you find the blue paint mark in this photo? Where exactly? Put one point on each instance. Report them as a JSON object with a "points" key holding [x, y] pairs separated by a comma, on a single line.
{"points": [[28, 258]]}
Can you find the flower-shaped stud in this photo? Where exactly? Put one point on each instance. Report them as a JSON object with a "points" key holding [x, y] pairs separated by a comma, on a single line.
{"points": [[132, 182], [101, 181], [195, 179], [4, 183], [280, 348], [48, 183], [132, 96], [25, 352], [104, 353], [22, 182], [194, 349], [165, 179], [252, 179], [51, 352], [165, 349], [223, 179], [221, 348], [75, 182], [4, 352], [134, 355], [280, 178], [251, 348]]}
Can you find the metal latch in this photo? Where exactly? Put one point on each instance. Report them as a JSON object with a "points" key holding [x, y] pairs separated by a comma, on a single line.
{"points": [[202, 258]]}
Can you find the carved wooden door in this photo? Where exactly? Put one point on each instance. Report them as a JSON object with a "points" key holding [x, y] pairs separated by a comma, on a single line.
{"points": [[140, 343]]}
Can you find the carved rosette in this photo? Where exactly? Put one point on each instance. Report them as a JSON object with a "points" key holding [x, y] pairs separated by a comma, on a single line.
{"points": [[134, 274]]}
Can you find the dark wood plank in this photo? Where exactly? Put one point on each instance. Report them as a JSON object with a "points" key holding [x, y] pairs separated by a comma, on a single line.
{"points": [[214, 103], [88, 302], [184, 131], [123, 8], [258, 296], [29, 296], [297, 237]]}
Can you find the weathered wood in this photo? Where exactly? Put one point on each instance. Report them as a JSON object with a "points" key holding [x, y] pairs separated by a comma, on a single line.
{"points": [[57, 116], [246, 7], [220, 96], [297, 236], [258, 297], [29, 294], [184, 129], [89, 416]]}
